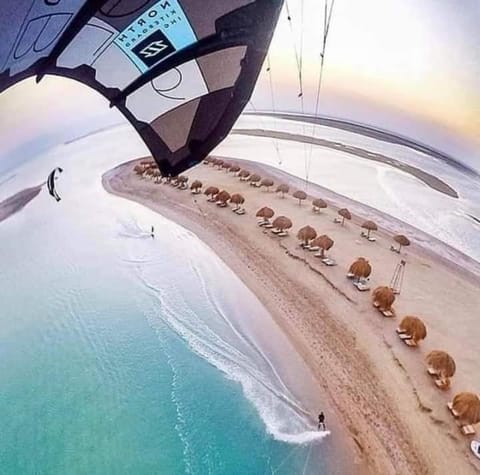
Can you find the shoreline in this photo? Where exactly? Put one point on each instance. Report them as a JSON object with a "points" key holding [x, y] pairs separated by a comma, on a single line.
{"points": [[15, 203], [428, 179], [389, 416]]}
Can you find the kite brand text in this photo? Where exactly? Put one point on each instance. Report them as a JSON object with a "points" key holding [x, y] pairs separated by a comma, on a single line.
{"points": [[136, 32]]}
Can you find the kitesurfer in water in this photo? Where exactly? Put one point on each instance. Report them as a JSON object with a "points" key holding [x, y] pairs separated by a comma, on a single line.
{"points": [[321, 421]]}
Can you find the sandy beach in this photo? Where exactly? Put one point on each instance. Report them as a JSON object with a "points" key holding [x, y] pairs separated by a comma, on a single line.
{"points": [[394, 415], [13, 204]]}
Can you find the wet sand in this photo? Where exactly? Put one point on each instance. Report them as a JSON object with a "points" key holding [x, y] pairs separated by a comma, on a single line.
{"points": [[378, 387], [13, 204]]}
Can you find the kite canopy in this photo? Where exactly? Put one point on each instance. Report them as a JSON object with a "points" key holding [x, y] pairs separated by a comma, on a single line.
{"points": [[180, 71]]}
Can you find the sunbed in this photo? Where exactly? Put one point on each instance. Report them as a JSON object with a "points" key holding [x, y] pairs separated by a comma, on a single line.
{"points": [[467, 429], [282, 233], [442, 383], [387, 313], [452, 410], [240, 211], [350, 275], [276, 231], [314, 248], [328, 261], [337, 220], [475, 446], [362, 286]]}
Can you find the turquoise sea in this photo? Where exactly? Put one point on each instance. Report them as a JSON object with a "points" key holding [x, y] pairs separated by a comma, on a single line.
{"points": [[123, 354]]}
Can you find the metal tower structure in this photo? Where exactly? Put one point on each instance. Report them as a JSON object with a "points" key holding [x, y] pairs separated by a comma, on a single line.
{"points": [[397, 278]]}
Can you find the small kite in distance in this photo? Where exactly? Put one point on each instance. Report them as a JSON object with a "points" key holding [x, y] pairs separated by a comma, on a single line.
{"points": [[51, 183]]}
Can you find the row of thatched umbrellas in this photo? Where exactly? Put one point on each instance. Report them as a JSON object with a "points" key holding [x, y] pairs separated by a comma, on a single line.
{"points": [[317, 203], [465, 405]]}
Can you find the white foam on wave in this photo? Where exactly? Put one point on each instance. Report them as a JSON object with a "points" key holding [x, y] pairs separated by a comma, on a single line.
{"points": [[284, 417]]}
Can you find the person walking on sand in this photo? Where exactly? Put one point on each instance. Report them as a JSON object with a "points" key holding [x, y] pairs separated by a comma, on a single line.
{"points": [[321, 421], [152, 232]]}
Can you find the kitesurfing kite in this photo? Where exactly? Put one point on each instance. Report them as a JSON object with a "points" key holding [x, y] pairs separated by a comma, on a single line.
{"points": [[181, 71], [51, 183]]}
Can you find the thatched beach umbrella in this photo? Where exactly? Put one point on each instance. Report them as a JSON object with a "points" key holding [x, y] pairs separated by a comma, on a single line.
{"points": [[254, 179], [213, 161], [402, 241], [211, 191], [226, 166], [414, 327], [369, 226], [318, 204], [219, 163], [324, 242], [306, 234], [267, 183], [282, 188], [467, 406], [222, 197], [361, 268], [234, 169], [149, 172], [265, 213], [300, 195], [138, 169], [383, 298], [345, 214], [196, 186], [282, 223], [244, 174], [157, 175], [442, 364], [237, 199]]}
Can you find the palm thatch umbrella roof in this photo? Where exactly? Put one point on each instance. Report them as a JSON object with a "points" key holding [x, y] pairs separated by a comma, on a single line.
{"points": [[384, 297], [138, 169], [306, 234], [345, 214], [234, 168], [319, 203], [254, 178], [149, 171], [361, 268], [467, 406], [267, 182], [213, 161], [182, 179], [370, 226], [218, 162], [226, 165], [196, 184], [443, 364], [402, 240], [324, 242], [414, 327], [265, 213], [237, 199], [223, 196], [282, 188], [282, 222], [300, 195], [211, 191], [244, 173]]}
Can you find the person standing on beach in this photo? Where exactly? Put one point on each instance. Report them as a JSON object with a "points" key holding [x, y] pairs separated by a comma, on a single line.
{"points": [[321, 421], [152, 232]]}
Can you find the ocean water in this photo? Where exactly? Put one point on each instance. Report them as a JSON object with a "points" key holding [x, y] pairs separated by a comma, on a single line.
{"points": [[123, 354], [382, 187]]}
